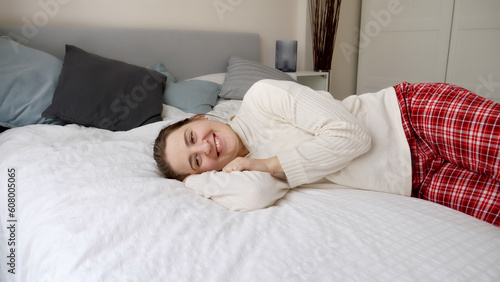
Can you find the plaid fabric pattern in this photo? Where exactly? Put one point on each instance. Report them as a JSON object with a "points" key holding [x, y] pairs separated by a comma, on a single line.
{"points": [[454, 138]]}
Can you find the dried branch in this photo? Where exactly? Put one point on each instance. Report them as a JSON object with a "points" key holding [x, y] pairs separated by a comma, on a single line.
{"points": [[324, 16]]}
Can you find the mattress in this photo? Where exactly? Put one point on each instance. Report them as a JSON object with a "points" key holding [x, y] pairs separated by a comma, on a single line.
{"points": [[91, 206]]}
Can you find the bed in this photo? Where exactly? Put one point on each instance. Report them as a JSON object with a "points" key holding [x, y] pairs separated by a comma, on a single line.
{"points": [[86, 203]]}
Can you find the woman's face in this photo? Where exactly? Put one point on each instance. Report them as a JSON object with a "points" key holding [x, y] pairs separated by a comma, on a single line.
{"points": [[202, 145]]}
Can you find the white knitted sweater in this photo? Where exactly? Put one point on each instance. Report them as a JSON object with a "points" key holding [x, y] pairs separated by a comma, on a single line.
{"points": [[358, 142]]}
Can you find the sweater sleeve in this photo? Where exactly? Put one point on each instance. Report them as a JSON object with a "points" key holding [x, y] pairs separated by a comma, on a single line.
{"points": [[338, 137], [239, 191]]}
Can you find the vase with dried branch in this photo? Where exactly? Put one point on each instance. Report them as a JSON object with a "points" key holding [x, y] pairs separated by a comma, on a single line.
{"points": [[324, 15]]}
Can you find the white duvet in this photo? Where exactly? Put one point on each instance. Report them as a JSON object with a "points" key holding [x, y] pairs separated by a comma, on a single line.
{"points": [[90, 206]]}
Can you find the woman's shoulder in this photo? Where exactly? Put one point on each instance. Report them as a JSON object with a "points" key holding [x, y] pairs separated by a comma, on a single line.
{"points": [[268, 90], [274, 84], [280, 91]]}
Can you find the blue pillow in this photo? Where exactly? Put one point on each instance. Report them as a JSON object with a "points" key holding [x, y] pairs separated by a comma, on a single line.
{"points": [[28, 78], [191, 96]]}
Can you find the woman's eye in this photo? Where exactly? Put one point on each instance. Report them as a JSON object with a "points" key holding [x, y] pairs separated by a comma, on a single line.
{"points": [[191, 138], [197, 161]]}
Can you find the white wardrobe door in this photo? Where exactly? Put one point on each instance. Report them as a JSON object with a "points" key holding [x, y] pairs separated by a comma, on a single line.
{"points": [[474, 61], [403, 41]]}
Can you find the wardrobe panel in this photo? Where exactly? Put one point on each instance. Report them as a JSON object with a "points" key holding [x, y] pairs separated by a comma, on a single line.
{"points": [[403, 41], [474, 57]]}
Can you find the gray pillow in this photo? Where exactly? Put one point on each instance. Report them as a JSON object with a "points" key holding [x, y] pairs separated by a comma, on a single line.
{"points": [[105, 93], [242, 74], [28, 78]]}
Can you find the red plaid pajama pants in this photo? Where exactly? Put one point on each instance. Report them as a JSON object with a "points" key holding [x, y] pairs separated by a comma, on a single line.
{"points": [[454, 139]]}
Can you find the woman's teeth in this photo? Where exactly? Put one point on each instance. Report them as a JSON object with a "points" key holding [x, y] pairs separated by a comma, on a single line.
{"points": [[217, 145]]}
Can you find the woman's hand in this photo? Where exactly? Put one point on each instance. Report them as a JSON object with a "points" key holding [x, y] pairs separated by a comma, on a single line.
{"points": [[271, 165]]}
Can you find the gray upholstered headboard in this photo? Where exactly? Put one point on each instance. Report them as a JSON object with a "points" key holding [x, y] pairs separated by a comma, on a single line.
{"points": [[185, 53]]}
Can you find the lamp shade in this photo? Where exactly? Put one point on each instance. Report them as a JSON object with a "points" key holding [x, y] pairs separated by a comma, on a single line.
{"points": [[286, 55]]}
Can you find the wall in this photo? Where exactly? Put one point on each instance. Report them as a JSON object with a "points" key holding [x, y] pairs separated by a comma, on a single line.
{"points": [[273, 20]]}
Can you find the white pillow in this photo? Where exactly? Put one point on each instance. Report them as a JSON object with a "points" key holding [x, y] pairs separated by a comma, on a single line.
{"points": [[214, 77]]}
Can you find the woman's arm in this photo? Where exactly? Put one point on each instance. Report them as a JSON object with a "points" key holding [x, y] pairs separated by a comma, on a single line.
{"points": [[337, 139], [337, 136], [239, 191]]}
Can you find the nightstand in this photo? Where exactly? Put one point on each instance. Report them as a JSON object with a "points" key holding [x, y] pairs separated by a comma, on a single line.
{"points": [[314, 79]]}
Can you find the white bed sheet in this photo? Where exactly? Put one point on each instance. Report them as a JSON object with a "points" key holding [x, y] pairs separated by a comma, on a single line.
{"points": [[91, 207]]}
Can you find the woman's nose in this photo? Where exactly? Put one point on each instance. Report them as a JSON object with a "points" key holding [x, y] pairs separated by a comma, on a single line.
{"points": [[204, 147]]}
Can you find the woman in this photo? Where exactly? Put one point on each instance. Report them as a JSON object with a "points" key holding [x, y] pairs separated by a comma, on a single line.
{"points": [[432, 140]]}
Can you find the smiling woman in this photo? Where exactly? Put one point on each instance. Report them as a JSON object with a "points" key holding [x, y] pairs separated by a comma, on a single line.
{"points": [[309, 137], [274, 122]]}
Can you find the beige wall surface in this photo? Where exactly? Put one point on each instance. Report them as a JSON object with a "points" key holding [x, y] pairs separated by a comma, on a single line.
{"points": [[272, 19]]}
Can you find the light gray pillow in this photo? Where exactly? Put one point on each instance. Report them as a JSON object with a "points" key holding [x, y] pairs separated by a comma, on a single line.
{"points": [[191, 96], [242, 74]]}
